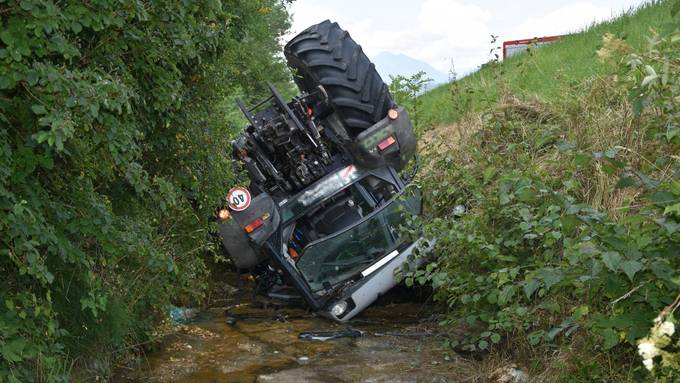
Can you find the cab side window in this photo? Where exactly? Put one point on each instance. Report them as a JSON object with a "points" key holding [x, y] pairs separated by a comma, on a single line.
{"points": [[381, 191]]}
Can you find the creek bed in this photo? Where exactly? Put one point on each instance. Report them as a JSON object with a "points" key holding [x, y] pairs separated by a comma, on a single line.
{"points": [[397, 345]]}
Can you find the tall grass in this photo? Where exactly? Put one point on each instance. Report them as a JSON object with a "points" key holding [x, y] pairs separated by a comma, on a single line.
{"points": [[546, 72], [567, 163]]}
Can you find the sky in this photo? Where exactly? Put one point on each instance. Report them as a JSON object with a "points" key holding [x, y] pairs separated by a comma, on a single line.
{"points": [[444, 31]]}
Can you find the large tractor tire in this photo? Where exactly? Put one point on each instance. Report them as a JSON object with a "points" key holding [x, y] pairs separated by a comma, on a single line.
{"points": [[326, 55]]}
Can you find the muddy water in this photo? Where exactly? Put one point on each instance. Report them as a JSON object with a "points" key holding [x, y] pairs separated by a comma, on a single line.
{"points": [[263, 346]]}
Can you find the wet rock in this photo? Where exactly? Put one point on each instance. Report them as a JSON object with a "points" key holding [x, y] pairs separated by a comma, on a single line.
{"points": [[231, 321], [508, 374]]}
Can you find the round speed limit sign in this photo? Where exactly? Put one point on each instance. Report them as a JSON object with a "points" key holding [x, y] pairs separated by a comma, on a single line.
{"points": [[238, 198]]}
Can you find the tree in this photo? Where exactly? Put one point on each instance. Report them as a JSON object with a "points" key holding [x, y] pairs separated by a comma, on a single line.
{"points": [[407, 90], [115, 127]]}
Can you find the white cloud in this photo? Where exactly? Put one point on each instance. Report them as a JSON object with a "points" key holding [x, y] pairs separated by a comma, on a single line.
{"points": [[435, 34], [459, 24], [305, 13], [438, 31], [570, 18], [448, 27]]}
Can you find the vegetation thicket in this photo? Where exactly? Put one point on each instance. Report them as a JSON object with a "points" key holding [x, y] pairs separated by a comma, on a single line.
{"points": [[115, 127], [553, 182]]}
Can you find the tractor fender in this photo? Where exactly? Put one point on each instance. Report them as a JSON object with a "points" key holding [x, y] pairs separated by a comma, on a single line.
{"points": [[245, 249]]}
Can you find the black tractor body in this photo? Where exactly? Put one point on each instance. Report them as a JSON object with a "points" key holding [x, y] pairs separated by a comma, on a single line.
{"points": [[327, 204]]}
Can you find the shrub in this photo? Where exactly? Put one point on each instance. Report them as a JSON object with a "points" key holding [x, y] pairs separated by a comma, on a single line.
{"points": [[114, 140], [524, 253]]}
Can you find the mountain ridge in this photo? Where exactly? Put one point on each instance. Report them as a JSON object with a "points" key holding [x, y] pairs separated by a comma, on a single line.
{"points": [[393, 64]]}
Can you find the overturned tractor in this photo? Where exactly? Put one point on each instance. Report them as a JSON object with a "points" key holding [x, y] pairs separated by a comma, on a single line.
{"points": [[325, 175]]}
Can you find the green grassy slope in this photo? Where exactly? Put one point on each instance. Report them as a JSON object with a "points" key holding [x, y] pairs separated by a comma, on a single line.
{"points": [[546, 71], [566, 165]]}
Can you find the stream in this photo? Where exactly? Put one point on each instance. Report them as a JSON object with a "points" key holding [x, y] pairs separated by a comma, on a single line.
{"points": [[258, 341]]}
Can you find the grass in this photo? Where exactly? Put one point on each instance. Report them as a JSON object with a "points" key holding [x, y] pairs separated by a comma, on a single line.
{"points": [[544, 73], [519, 144]]}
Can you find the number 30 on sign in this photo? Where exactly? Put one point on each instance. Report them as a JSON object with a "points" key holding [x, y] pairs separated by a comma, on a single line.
{"points": [[238, 198]]}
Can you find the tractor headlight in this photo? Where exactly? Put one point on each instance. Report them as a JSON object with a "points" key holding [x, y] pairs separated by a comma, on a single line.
{"points": [[339, 308]]}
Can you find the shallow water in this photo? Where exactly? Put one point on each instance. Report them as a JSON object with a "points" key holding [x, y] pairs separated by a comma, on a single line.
{"points": [[396, 345]]}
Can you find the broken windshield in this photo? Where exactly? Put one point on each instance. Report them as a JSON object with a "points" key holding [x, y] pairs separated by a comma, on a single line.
{"points": [[339, 257]]}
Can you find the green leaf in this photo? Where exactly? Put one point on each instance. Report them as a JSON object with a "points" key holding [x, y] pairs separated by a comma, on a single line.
{"points": [[626, 181], [94, 110], [553, 308], [550, 277], [12, 351], [535, 337], [489, 173], [582, 160], [6, 82], [611, 259], [38, 109], [662, 198], [76, 27], [673, 209], [580, 312], [662, 270], [610, 338], [530, 287], [506, 294], [503, 198], [671, 225], [675, 9], [26, 5], [429, 267], [32, 77], [495, 338], [646, 181], [483, 345], [631, 268], [554, 332]]}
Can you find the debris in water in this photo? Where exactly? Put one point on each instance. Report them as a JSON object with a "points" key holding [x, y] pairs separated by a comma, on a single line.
{"points": [[232, 318], [181, 315], [323, 336], [509, 374]]}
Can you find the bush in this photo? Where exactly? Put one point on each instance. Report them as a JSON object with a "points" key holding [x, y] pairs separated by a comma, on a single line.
{"points": [[114, 149], [407, 91], [527, 251]]}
